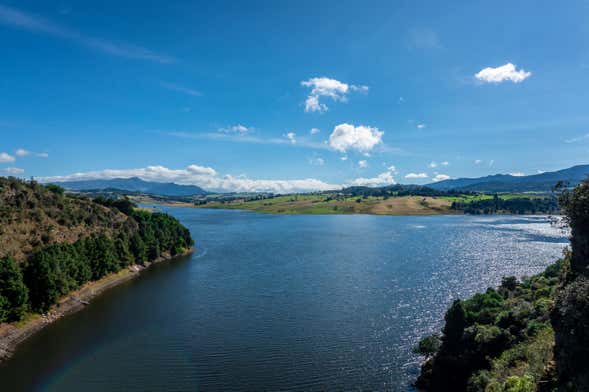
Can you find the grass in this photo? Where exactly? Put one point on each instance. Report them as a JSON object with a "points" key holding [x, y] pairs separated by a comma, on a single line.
{"points": [[323, 204]]}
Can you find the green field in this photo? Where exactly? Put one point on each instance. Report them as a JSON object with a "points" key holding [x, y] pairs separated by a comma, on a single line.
{"points": [[321, 203]]}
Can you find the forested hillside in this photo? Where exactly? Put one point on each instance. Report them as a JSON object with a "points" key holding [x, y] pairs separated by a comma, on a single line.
{"points": [[524, 336], [52, 243]]}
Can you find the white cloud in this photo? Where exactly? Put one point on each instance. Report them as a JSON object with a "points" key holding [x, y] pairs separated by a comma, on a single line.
{"points": [[203, 176], [540, 171], [478, 161], [314, 131], [349, 137], [21, 152], [292, 137], [180, 89], [21, 20], [441, 177], [317, 161], [416, 175], [502, 74], [445, 163], [238, 129], [247, 138], [577, 139], [385, 178], [392, 169], [421, 126], [312, 104], [363, 164], [13, 170], [344, 158], [327, 87], [4, 157], [433, 164], [517, 174]]}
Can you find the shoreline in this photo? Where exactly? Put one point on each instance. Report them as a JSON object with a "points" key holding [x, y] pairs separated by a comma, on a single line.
{"points": [[13, 334]]}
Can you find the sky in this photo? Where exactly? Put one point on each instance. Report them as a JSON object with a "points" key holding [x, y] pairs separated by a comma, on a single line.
{"points": [[288, 96]]}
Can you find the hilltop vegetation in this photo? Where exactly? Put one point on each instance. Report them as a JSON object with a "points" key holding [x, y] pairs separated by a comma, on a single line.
{"points": [[53, 243], [391, 200], [524, 336]]}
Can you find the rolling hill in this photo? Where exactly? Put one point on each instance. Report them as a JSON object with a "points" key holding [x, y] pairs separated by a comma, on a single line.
{"points": [[543, 182], [135, 184]]}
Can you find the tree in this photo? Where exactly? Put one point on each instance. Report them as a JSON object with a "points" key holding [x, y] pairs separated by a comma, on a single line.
{"points": [[13, 290], [428, 346]]}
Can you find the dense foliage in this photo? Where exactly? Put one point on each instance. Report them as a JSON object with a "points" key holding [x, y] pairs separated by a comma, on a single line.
{"points": [[570, 316], [480, 330], [53, 270], [519, 205], [524, 336]]}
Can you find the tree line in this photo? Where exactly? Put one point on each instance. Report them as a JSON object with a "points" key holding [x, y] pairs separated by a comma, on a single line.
{"points": [[49, 273], [517, 205], [525, 336]]}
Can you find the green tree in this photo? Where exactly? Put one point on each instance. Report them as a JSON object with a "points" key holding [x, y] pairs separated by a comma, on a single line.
{"points": [[13, 290]]}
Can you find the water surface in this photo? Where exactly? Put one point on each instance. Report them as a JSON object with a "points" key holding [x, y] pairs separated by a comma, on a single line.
{"points": [[283, 303]]}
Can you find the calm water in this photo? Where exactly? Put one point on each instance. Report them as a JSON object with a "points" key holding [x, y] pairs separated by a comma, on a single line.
{"points": [[283, 303]]}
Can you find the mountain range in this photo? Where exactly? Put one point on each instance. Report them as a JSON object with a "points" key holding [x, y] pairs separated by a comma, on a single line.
{"points": [[543, 182], [134, 184]]}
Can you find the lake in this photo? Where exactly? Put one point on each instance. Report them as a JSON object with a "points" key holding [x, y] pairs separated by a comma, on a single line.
{"points": [[283, 303]]}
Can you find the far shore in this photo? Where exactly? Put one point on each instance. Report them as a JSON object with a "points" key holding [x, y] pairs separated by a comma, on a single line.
{"points": [[13, 334], [398, 206]]}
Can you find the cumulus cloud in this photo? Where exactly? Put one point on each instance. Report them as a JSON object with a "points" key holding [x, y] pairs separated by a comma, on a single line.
{"points": [[4, 157], [363, 164], [507, 72], [292, 137], [441, 177], [312, 104], [202, 176], [517, 174], [383, 179], [237, 129], [330, 88], [314, 131], [416, 175], [349, 137], [13, 170]]}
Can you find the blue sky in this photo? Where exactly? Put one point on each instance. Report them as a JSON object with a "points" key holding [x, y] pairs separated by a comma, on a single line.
{"points": [[225, 94]]}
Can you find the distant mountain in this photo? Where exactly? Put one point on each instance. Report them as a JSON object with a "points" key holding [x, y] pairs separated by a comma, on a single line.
{"points": [[135, 184], [507, 183]]}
